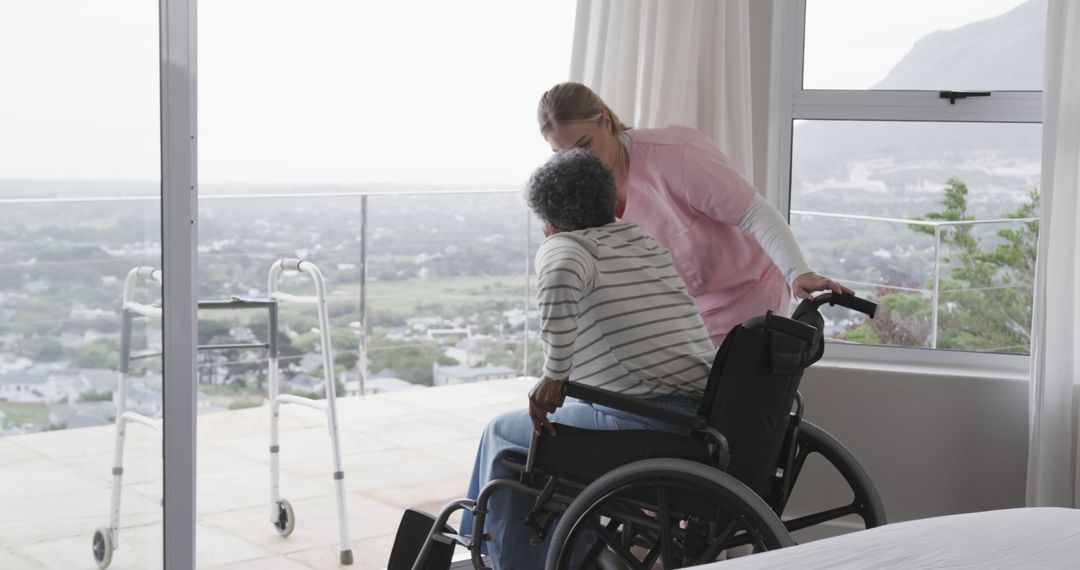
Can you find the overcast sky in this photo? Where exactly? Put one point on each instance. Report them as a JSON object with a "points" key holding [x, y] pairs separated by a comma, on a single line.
{"points": [[852, 44], [340, 91], [315, 91]]}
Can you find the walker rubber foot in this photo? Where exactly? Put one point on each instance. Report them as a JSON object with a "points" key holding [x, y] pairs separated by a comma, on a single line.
{"points": [[346, 557]]}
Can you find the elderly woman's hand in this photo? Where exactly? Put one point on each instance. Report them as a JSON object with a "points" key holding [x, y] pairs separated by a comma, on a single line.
{"points": [[809, 283], [544, 398]]}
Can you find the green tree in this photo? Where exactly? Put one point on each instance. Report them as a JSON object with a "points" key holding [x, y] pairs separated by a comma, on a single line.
{"points": [[97, 354], [985, 293], [210, 329], [306, 341], [410, 361], [512, 354], [46, 349], [346, 360], [902, 319], [344, 339], [95, 396]]}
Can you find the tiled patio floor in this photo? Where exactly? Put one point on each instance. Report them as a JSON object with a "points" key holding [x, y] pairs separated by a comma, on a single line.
{"points": [[412, 448]]}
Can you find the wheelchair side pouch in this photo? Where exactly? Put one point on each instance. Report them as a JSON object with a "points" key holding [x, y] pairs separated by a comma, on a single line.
{"points": [[788, 343]]}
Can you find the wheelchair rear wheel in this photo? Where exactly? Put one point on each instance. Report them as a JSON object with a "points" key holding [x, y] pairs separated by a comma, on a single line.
{"points": [[672, 511], [866, 503]]}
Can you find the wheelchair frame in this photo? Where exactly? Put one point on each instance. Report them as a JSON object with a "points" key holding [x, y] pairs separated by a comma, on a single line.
{"points": [[800, 440]]}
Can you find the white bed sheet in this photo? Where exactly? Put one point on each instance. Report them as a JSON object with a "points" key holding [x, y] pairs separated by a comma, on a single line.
{"points": [[1011, 538]]}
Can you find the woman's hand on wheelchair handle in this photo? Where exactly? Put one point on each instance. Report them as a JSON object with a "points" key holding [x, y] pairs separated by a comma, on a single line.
{"points": [[545, 397], [809, 283]]}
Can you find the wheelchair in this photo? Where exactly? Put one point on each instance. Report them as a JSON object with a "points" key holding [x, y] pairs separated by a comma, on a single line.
{"points": [[635, 499]]}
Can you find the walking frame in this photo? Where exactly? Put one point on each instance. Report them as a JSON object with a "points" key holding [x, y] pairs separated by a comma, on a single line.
{"points": [[282, 516]]}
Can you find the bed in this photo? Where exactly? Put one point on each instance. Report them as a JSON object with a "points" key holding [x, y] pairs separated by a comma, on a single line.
{"points": [[1011, 538]]}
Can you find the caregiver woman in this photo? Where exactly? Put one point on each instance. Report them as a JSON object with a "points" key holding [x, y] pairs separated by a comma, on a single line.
{"points": [[734, 251]]}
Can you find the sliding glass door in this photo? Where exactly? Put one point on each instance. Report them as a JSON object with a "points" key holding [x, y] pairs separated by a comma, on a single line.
{"points": [[80, 285]]}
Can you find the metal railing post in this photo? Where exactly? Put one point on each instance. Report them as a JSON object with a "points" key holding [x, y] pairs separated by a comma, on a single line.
{"points": [[937, 284], [528, 270], [361, 362]]}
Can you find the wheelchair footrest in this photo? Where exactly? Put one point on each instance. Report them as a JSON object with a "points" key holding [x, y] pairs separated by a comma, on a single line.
{"points": [[411, 534]]}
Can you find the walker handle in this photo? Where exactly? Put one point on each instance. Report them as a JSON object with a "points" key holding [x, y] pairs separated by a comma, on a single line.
{"points": [[291, 264]]}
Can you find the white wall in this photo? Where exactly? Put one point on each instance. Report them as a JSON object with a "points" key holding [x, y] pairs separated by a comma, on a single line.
{"points": [[933, 443]]}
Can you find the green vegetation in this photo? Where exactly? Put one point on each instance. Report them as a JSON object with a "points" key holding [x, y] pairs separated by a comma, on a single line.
{"points": [[986, 290], [392, 302], [455, 258], [410, 360], [46, 349], [18, 414], [100, 353], [513, 354], [247, 403], [95, 396]]}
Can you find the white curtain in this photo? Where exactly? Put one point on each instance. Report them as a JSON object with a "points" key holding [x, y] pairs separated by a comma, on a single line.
{"points": [[659, 62], [1053, 471]]}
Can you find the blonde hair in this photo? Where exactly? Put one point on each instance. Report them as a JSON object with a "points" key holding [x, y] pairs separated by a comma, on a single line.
{"points": [[573, 102]]}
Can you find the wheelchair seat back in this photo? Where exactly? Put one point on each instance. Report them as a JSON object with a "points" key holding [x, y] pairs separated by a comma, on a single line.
{"points": [[585, 454], [752, 387]]}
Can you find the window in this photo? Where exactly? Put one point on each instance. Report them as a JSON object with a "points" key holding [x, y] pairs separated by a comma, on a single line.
{"points": [[80, 191], [306, 111], [387, 143], [913, 156], [363, 134]]}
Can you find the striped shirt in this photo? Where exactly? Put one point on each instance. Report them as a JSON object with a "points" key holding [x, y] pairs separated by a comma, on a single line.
{"points": [[615, 314]]}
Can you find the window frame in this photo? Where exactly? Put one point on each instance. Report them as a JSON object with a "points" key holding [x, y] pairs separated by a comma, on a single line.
{"points": [[797, 103], [179, 255]]}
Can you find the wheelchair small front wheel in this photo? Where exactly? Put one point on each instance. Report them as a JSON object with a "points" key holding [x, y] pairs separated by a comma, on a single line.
{"points": [[672, 511]]}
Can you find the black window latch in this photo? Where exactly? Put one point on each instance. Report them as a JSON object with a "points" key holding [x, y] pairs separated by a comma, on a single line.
{"points": [[952, 96]]}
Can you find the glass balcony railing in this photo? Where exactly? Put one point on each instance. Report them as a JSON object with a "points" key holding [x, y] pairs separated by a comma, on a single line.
{"points": [[424, 288], [960, 285], [427, 287]]}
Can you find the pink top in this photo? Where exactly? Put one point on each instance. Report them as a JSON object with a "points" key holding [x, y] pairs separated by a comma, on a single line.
{"points": [[686, 195]]}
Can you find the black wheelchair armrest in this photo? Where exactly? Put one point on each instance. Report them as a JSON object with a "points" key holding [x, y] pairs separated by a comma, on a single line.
{"points": [[637, 406]]}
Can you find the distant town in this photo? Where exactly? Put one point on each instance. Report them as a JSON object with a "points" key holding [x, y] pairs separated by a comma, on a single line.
{"points": [[446, 298]]}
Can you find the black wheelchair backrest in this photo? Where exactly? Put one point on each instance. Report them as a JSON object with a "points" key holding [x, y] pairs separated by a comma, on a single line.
{"points": [[755, 378], [752, 388]]}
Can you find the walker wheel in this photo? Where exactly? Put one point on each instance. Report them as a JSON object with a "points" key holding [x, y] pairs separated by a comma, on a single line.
{"points": [[103, 547], [286, 520]]}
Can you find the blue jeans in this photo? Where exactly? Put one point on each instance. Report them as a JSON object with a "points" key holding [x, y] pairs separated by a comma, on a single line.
{"points": [[511, 432]]}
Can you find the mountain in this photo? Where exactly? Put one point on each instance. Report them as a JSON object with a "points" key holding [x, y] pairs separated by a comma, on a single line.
{"points": [[1000, 53], [838, 158]]}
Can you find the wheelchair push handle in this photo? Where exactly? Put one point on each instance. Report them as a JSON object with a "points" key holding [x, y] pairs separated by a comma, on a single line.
{"points": [[859, 304]]}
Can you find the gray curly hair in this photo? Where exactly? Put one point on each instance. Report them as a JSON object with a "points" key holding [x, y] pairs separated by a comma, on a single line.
{"points": [[573, 191]]}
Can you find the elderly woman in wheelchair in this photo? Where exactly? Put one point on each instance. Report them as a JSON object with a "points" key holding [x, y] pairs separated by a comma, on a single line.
{"points": [[635, 452]]}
